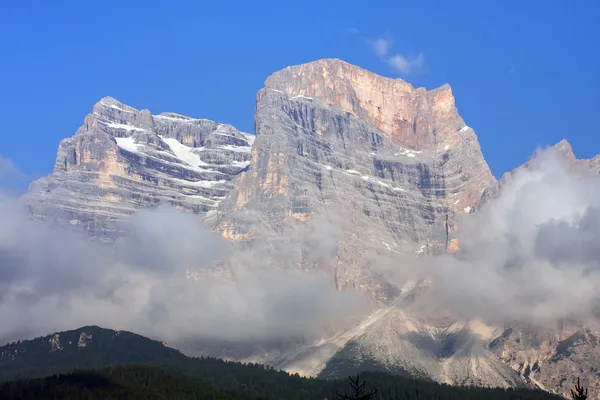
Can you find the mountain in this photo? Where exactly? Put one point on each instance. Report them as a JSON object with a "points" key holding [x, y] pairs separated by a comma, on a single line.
{"points": [[122, 159], [116, 363], [86, 347], [350, 174], [393, 165]]}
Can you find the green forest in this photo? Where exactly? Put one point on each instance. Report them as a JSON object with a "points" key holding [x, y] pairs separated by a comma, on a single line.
{"points": [[145, 382], [123, 365]]}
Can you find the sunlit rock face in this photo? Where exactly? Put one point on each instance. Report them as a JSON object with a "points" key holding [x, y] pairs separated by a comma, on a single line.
{"points": [[123, 159], [392, 165]]}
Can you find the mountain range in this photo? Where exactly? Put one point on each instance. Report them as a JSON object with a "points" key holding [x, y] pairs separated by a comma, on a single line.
{"points": [[349, 174], [92, 362]]}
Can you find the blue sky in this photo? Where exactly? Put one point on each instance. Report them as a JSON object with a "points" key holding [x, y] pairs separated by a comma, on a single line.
{"points": [[524, 73]]}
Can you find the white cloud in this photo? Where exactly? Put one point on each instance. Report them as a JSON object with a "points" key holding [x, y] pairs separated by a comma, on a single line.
{"points": [[140, 284], [381, 47], [400, 64], [7, 168], [403, 65], [530, 256]]}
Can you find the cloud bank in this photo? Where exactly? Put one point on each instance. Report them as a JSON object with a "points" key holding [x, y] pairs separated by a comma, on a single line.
{"points": [[530, 256], [53, 279]]}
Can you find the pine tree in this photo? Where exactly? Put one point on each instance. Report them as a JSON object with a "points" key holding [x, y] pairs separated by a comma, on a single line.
{"points": [[359, 391], [579, 393]]}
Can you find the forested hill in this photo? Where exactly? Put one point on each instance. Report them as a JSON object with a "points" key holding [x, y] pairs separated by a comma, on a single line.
{"points": [[144, 382], [140, 367]]}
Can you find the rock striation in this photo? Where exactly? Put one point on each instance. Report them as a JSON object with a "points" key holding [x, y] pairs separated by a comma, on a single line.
{"points": [[123, 159], [393, 165]]}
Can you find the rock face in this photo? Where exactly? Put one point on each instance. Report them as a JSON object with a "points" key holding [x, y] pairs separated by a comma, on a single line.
{"points": [[122, 159], [392, 164]]}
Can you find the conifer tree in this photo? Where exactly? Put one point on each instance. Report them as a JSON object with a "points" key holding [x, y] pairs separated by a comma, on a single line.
{"points": [[359, 391], [579, 393]]}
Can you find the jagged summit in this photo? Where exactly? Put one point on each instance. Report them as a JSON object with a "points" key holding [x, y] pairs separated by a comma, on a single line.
{"points": [[122, 159], [564, 148], [413, 117], [334, 65]]}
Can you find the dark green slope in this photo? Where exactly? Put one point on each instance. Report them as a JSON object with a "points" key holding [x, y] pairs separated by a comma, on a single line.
{"points": [[137, 382], [87, 347], [66, 351]]}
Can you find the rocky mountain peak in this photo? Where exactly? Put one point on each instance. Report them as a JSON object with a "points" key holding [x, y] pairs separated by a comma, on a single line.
{"points": [[413, 117], [564, 148], [123, 158]]}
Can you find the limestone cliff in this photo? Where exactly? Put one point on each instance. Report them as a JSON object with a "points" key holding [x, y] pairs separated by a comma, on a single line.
{"points": [[392, 164], [123, 159]]}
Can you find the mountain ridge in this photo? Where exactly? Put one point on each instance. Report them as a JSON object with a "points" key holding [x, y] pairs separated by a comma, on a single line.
{"points": [[122, 159], [391, 167], [138, 356]]}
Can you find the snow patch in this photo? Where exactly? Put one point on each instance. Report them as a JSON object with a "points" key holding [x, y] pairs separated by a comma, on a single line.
{"points": [[184, 153], [203, 184], [397, 189], [115, 125], [179, 118], [421, 249], [241, 164], [467, 210], [301, 97], [408, 153], [381, 183], [446, 147], [464, 128], [128, 143], [249, 137], [353, 172], [116, 107], [328, 167], [239, 149]]}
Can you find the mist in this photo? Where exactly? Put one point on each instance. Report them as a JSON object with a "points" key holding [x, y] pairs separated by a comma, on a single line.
{"points": [[53, 278], [531, 255]]}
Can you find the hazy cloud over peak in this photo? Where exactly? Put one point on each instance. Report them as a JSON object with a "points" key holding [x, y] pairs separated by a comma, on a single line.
{"points": [[400, 64], [531, 255], [403, 65], [52, 279], [381, 47]]}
